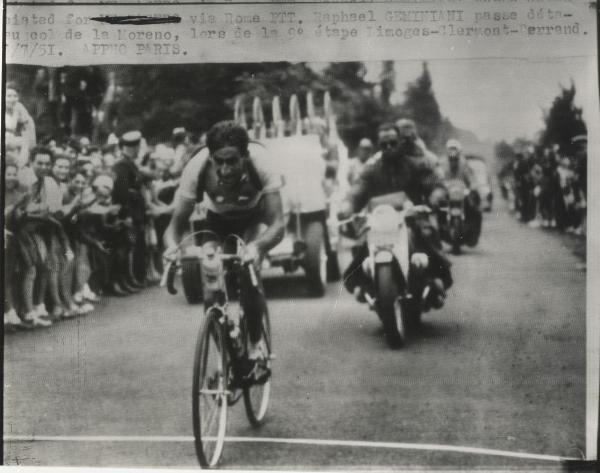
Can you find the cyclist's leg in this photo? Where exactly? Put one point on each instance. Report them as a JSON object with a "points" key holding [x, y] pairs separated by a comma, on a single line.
{"points": [[253, 298]]}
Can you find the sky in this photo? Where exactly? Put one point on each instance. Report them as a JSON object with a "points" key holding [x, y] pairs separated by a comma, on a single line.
{"points": [[497, 99]]}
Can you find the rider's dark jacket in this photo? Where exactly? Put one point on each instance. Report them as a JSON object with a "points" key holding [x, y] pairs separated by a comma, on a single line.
{"points": [[381, 176]]}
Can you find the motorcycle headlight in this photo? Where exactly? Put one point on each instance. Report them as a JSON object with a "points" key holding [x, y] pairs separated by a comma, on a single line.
{"points": [[456, 193], [419, 260], [384, 219], [384, 257]]}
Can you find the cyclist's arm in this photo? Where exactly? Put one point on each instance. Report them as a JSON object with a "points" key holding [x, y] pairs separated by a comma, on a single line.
{"points": [[273, 218], [179, 224], [184, 202]]}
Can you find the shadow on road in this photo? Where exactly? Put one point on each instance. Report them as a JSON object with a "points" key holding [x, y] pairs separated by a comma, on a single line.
{"points": [[285, 287], [435, 330]]}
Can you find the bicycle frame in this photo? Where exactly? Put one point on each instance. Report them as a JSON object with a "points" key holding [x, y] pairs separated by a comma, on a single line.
{"points": [[226, 384]]}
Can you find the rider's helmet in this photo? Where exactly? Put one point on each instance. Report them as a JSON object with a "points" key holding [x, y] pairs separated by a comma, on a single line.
{"points": [[453, 148]]}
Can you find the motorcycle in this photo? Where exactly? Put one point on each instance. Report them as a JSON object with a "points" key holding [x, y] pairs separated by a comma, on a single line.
{"points": [[395, 269], [452, 214]]}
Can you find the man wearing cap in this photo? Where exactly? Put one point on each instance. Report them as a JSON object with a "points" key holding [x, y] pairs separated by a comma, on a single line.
{"points": [[127, 193], [180, 141], [241, 191]]}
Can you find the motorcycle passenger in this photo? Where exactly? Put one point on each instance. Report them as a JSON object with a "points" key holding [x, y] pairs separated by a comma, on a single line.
{"points": [[458, 169], [422, 157], [241, 191], [394, 171]]}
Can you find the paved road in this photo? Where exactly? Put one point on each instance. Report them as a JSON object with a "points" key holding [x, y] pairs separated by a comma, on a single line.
{"points": [[502, 366]]}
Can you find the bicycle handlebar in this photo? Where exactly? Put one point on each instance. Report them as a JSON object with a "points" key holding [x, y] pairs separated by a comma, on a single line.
{"points": [[168, 276]]}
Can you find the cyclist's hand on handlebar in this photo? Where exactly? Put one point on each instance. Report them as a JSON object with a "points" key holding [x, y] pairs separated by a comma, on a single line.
{"points": [[251, 254], [170, 254]]}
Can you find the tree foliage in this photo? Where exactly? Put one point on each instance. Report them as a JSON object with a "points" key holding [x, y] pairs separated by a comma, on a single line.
{"points": [[563, 122], [155, 99], [388, 82], [421, 105]]}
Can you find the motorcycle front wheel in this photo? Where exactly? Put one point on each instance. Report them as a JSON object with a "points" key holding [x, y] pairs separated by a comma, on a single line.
{"points": [[389, 307], [455, 235]]}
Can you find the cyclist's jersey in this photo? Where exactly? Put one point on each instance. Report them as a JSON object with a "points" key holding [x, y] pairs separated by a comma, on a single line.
{"points": [[200, 183]]}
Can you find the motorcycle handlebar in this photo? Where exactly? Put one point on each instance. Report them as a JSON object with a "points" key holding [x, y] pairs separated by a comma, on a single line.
{"points": [[417, 209]]}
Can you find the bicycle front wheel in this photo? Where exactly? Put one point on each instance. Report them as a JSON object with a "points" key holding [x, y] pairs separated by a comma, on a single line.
{"points": [[256, 396], [209, 396]]}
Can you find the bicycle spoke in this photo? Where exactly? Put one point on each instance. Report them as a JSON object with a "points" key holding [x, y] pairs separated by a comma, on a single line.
{"points": [[210, 417]]}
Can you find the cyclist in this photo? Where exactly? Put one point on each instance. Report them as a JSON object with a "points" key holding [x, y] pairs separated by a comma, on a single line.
{"points": [[241, 191]]}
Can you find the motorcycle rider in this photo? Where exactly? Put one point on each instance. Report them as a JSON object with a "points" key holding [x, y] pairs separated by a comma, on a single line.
{"points": [[458, 169], [395, 171], [408, 132]]}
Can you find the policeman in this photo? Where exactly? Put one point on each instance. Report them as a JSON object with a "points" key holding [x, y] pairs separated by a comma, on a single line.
{"points": [[127, 193]]}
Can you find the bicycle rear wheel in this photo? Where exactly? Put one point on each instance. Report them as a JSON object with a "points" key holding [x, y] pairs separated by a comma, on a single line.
{"points": [[209, 396], [256, 396]]}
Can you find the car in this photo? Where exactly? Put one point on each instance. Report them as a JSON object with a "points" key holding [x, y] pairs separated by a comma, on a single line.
{"points": [[309, 243]]}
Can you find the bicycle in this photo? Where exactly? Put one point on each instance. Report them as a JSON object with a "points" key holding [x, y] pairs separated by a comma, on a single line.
{"points": [[221, 351]]}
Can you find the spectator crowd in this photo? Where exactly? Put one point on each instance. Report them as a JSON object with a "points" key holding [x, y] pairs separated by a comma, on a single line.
{"points": [[548, 188], [82, 219]]}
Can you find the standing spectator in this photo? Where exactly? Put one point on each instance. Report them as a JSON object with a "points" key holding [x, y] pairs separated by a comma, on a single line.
{"points": [[549, 189], [580, 170], [523, 186], [113, 236], [89, 253], [14, 195], [44, 199], [181, 142], [66, 267], [19, 128], [127, 193], [566, 201], [355, 165], [536, 177], [108, 157]]}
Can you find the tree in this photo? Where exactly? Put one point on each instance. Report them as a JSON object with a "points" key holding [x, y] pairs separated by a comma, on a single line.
{"points": [[563, 122], [359, 112], [421, 105], [387, 82]]}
